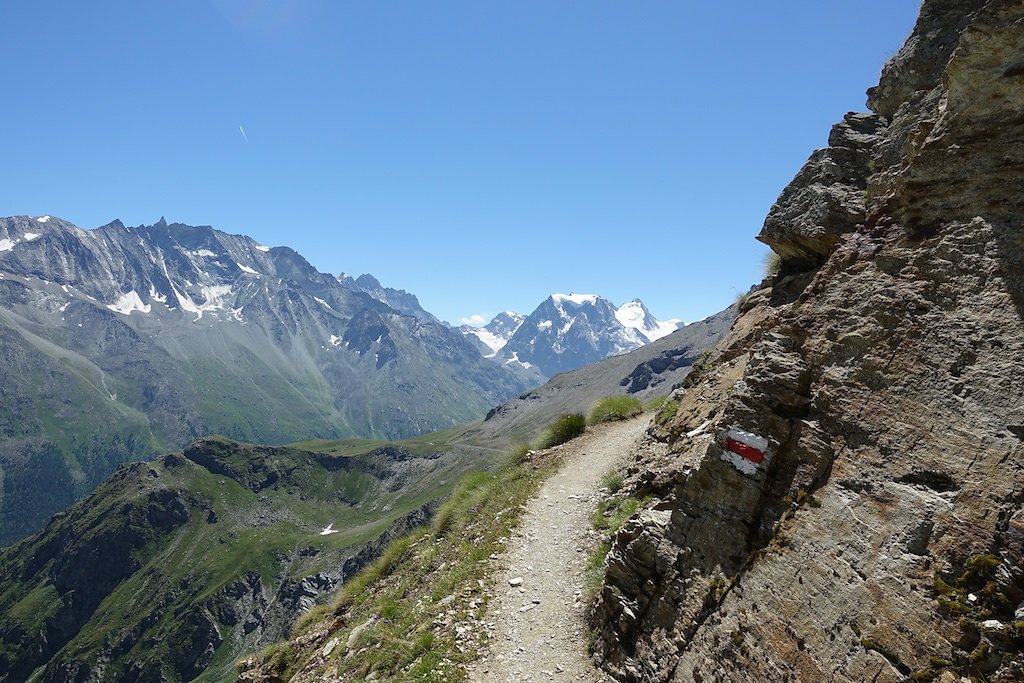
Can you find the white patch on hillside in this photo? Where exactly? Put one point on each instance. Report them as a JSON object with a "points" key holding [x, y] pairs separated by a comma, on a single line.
{"points": [[6, 244], [328, 530], [578, 299], [544, 325], [334, 340], [633, 316], [126, 303], [43, 219], [262, 248], [515, 359], [29, 236], [246, 269], [664, 328], [323, 303], [215, 297], [156, 296], [490, 340], [203, 253]]}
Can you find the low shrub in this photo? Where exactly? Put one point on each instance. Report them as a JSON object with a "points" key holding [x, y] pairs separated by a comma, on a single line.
{"points": [[655, 403], [612, 408], [667, 412], [565, 428], [612, 481]]}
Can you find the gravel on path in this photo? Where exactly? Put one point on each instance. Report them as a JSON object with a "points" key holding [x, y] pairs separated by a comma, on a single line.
{"points": [[536, 617]]}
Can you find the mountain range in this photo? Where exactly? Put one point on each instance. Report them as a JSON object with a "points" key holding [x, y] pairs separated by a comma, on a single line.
{"points": [[121, 342], [565, 332]]}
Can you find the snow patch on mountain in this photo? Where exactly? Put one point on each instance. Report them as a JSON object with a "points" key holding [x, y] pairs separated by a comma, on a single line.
{"points": [[634, 315], [43, 219], [126, 303], [29, 236], [495, 334], [246, 269], [6, 244], [491, 340]]}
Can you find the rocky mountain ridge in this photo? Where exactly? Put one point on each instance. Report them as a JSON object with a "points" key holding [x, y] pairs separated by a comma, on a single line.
{"points": [[566, 332], [840, 493], [120, 342]]}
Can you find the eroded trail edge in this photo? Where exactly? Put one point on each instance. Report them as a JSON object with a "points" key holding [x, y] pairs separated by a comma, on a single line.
{"points": [[537, 626]]}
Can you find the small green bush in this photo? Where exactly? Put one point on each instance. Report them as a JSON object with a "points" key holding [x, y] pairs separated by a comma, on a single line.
{"points": [[612, 481], [612, 408], [667, 412], [565, 428], [655, 403]]}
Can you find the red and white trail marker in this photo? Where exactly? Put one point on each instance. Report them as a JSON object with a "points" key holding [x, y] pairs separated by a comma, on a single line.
{"points": [[743, 450]]}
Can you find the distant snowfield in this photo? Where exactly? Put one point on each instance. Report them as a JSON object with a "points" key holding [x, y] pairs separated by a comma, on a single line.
{"points": [[129, 302], [246, 269], [6, 244], [29, 236], [262, 248], [43, 219], [491, 340]]}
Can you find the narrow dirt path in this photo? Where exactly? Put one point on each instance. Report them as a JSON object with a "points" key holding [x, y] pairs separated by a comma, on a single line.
{"points": [[537, 628]]}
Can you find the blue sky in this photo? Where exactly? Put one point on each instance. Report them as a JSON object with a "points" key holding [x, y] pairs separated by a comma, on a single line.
{"points": [[478, 154]]}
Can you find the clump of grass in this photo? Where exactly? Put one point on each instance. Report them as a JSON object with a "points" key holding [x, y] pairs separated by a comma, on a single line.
{"points": [[612, 481], [655, 403], [593, 575], [700, 367], [519, 454], [612, 408], [772, 264], [280, 659], [667, 412], [612, 513], [565, 428]]}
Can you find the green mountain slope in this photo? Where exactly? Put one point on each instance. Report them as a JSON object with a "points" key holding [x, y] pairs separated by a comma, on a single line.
{"points": [[173, 567]]}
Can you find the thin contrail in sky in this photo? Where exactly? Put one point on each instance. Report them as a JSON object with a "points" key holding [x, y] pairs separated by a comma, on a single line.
{"points": [[243, 134]]}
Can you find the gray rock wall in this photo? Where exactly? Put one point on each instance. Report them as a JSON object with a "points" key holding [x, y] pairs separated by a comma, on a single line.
{"points": [[879, 537]]}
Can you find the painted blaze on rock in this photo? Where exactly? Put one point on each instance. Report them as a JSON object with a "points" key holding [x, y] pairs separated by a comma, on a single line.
{"points": [[743, 450]]}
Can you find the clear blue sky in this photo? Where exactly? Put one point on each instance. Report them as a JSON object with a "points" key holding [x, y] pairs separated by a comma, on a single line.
{"points": [[478, 154]]}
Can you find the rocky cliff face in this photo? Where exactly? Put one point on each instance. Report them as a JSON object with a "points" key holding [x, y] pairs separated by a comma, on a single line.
{"points": [[840, 495]]}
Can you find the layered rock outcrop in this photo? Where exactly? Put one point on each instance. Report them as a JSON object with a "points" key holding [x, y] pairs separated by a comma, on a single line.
{"points": [[840, 495]]}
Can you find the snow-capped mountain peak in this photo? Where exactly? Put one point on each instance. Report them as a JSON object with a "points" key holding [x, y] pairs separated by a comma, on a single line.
{"points": [[578, 299], [634, 314], [567, 331], [495, 334]]}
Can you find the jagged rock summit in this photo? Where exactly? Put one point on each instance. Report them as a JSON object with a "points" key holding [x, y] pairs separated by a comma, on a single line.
{"points": [[840, 493], [566, 332]]}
